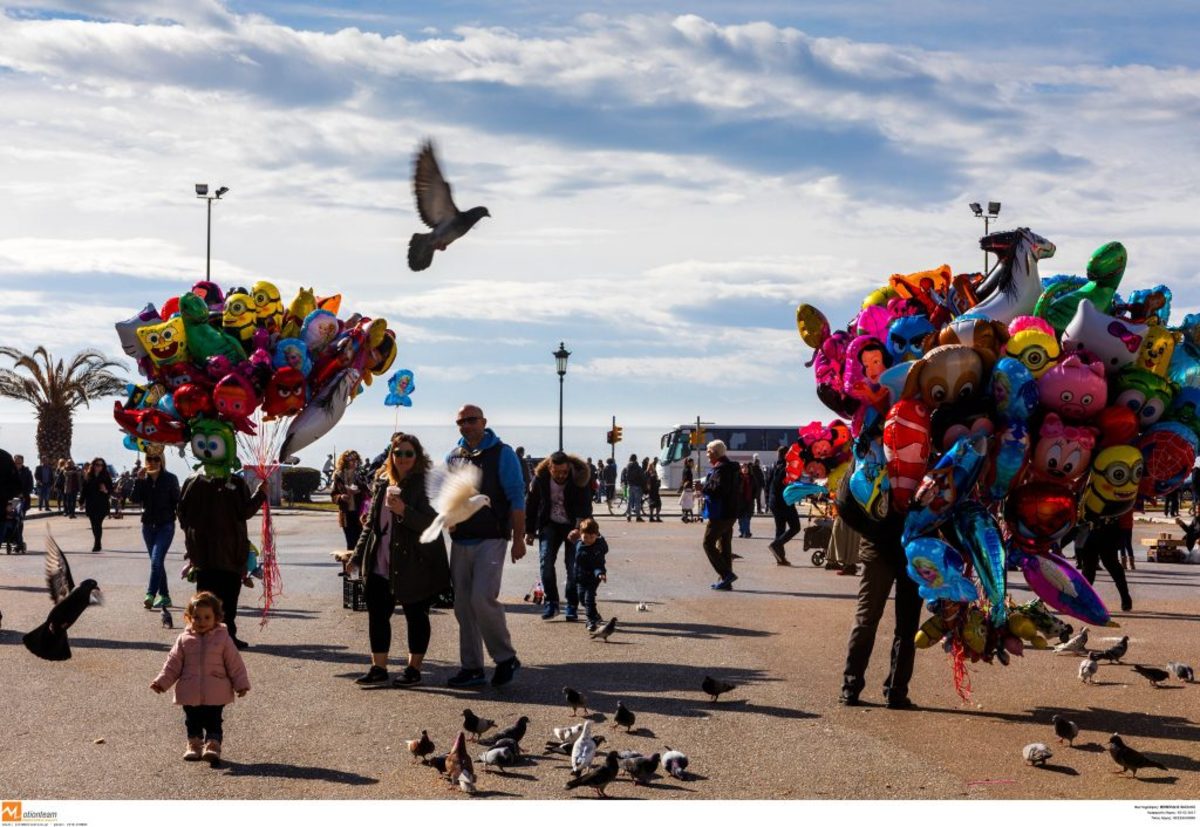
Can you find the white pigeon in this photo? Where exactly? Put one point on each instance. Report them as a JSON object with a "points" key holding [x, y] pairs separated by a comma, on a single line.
{"points": [[675, 763], [454, 494], [584, 750], [642, 607], [466, 782], [1077, 645], [1088, 667], [1181, 671], [1035, 754], [567, 733]]}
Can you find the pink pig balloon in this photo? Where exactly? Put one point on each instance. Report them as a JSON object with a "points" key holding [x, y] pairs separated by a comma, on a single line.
{"points": [[1075, 390]]}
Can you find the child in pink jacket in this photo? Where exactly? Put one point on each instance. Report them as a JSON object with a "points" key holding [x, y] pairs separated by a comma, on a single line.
{"points": [[206, 669]]}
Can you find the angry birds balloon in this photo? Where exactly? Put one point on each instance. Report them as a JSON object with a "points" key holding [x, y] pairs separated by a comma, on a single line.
{"points": [[235, 400], [285, 394], [214, 445], [906, 337]]}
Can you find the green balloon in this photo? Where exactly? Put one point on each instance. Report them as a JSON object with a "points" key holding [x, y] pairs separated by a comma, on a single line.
{"points": [[204, 340], [1104, 272]]}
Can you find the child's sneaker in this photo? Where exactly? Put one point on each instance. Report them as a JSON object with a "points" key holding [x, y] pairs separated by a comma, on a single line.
{"points": [[161, 602], [592, 626], [212, 752], [195, 745]]}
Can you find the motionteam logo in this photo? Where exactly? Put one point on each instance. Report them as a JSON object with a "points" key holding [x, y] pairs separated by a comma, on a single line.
{"points": [[12, 812]]}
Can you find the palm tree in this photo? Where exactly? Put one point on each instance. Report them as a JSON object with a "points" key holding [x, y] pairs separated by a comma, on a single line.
{"points": [[56, 390]]}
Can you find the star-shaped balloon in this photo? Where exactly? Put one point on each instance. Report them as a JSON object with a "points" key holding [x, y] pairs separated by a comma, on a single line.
{"points": [[399, 387]]}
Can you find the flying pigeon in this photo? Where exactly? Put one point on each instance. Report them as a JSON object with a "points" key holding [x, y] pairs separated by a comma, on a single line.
{"points": [[436, 207], [1036, 754], [58, 570], [498, 757], [675, 762], [1152, 674], [598, 778], [421, 748], [624, 717], [1181, 671], [604, 631], [454, 494], [1088, 667], [584, 750], [1065, 730], [167, 622], [49, 641], [516, 732], [575, 700], [475, 725], [716, 688], [1114, 653], [1129, 758], [640, 768], [567, 733], [1076, 645]]}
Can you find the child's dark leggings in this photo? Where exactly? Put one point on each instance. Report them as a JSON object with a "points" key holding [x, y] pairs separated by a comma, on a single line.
{"points": [[203, 721]]}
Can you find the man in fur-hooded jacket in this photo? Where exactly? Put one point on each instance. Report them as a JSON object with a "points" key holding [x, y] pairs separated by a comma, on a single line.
{"points": [[559, 497]]}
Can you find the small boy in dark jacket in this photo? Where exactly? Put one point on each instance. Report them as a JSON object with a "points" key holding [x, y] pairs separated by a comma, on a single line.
{"points": [[590, 550]]}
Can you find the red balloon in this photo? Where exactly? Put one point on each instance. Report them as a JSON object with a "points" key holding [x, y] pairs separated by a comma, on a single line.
{"points": [[1040, 514], [192, 400], [1118, 425], [170, 308]]}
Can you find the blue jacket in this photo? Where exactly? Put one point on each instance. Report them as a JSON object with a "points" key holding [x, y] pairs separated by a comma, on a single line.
{"points": [[503, 482], [589, 560]]}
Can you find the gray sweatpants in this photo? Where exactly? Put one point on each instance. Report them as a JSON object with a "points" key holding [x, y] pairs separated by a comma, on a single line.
{"points": [[476, 570]]}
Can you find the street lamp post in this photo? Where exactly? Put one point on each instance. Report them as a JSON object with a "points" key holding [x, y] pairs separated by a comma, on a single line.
{"points": [[202, 192], [560, 365], [993, 211]]}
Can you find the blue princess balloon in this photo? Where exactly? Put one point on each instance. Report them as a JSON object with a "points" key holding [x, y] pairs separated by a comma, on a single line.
{"points": [[937, 569], [399, 387], [292, 353]]}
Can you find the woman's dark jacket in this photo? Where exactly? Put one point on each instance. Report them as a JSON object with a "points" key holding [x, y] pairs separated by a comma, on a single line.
{"points": [[418, 571]]}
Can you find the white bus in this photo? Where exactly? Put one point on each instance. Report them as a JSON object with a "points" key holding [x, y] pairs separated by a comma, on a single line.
{"points": [[743, 442]]}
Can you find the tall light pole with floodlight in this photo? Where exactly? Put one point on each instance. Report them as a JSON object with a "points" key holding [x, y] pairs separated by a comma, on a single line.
{"points": [[560, 364], [993, 211], [202, 192]]}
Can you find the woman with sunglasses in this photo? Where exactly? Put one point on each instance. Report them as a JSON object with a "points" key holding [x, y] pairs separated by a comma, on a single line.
{"points": [[348, 493], [395, 565], [157, 490], [96, 492]]}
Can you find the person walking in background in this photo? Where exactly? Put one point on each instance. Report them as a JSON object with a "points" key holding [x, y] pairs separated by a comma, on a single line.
{"points": [[558, 498], [721, 504], [72, 484], [206, 670], [96, 490], [396, 565], [654, 492], [157, 491], [477, 551], [1171, 504], [787, 521], [745, 501], [1125, 548], [348, 494], [57, 488], [526, 472], [25, 481], [635, 479], [43, 481], [610, 479], [1101, 547], [760, 484], [689, 474]]}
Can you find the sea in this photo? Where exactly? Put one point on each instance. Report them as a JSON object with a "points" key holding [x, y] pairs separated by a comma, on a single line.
{"points": [[103, 439]]}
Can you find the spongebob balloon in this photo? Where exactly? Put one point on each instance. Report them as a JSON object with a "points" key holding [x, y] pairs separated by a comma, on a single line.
{"points": [[214, 445], [165, 343]]}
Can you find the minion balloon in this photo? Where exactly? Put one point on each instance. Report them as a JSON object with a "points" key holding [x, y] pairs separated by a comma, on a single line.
{"points": [[1113, 484]]}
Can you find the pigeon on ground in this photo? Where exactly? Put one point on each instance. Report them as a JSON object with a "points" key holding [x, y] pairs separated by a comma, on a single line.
{"points": [[497, 757], [624, 717], [420, 748], [567, 733], [1181, 671], [1129, 758], [1152, 674], [1191, 532], [475, 725], [1036, 754], [49, 641], [640, 768], [438, 762], [167, 622], [1089, 666], [598, 778], [1065, 730], [453, 492], [508, 744], [715, 688], [575, 700], [516, 732], [642, 607], [466, 780], [1114, 653], [583, 751], [459, 768], [436, 208], [604, 631], [565, 747], [1076, 645], [675, 762]]}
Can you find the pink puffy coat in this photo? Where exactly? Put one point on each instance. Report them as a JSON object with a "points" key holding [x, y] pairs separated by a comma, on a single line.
{"points": [[205, 669]]}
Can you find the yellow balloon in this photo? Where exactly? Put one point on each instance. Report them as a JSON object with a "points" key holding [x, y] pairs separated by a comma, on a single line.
{"points": [[880, 296], [812, 324]]}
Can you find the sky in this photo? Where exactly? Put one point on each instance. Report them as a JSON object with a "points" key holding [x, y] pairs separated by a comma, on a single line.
{"points": [[667, 181]]}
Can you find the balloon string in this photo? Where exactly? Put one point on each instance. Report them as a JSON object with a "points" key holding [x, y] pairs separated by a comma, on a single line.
{"points": [[962, 679]]}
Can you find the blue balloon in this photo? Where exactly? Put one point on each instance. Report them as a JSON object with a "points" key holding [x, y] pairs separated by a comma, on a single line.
{"points": [[906, 336], [399, 387], [976, 531], [1012, 450], [937, 569], [1014, 389], [798, 491], [949, 482], [1184, 369], [294, 353]]}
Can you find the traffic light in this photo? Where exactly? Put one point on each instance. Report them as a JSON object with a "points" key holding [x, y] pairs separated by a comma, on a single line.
{"points": [[616, 434], [608, 437]]}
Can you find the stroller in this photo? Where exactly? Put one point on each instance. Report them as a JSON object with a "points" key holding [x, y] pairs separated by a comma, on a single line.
{"points": [[818, 532], [12, 533]]}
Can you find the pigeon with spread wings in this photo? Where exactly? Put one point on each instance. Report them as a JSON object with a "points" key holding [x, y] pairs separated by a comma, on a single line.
{"points": [[436, 207], [49, 641], [454, 494]]}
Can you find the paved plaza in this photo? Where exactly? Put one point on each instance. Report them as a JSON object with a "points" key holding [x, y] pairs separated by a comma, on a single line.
{"points": [[90, 728]]}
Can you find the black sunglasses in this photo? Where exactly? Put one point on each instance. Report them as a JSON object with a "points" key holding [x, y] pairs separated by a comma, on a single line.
{"points": [[407, 454], [466, 419]]}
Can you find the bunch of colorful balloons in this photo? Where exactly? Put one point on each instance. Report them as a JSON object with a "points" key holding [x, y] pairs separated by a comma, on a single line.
{"points": [[994, 417], [218, 362]]}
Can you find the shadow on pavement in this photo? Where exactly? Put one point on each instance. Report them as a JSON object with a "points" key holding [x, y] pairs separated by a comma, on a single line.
{"points": [[817, 595], [1104, 722], [1059, 769], [274, 770], [700, 631], [310, 651], [25, 589]]}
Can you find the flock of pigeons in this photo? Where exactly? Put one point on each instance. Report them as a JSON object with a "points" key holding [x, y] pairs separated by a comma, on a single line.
{"points": [[1126, 757], [576, 742]]}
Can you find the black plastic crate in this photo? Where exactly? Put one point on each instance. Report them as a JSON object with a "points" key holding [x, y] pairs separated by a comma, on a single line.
{"points": [[354, 594]]}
